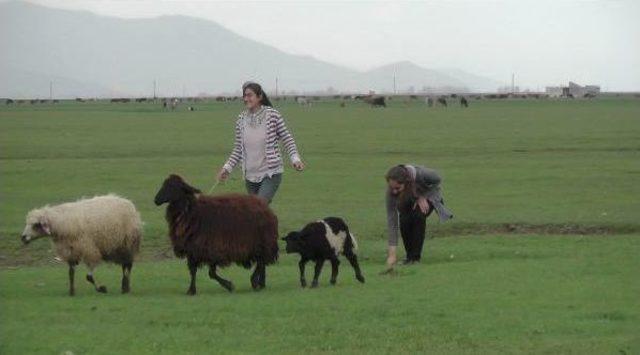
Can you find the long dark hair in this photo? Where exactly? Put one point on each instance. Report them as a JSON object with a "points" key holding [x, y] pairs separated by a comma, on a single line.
{"points": [[401, 175], [257, 89]]}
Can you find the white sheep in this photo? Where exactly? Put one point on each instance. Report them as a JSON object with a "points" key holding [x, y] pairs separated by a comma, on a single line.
{"points": [[90, 230]]}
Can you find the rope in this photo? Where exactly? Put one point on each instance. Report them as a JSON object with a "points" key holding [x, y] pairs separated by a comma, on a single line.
{"points": [[213, 187]]}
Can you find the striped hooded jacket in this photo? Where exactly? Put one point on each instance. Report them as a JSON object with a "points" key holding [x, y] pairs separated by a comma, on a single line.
{"points": [[276, 132]]}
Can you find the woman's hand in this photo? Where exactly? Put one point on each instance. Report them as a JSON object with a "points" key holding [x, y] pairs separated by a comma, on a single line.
{"points": [[423, 204], [223, 175], [298, 165], [391, 261], [391, 257]]}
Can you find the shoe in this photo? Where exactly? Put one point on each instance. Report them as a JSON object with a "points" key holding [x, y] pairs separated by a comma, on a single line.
{"points": [[410, 261]]}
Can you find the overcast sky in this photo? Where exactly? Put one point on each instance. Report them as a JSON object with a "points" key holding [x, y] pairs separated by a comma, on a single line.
{"points": [[542, 42]]}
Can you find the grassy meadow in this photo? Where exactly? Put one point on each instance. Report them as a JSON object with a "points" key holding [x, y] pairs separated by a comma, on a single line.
{"points": [[541, 257]]}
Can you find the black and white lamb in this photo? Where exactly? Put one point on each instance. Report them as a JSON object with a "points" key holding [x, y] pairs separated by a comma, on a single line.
{"points": [[322, 240]]}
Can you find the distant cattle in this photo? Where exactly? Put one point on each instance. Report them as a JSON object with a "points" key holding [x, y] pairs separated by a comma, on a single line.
{"points": [[464, 102], [377, 102], [429, 101], [442, 101]]}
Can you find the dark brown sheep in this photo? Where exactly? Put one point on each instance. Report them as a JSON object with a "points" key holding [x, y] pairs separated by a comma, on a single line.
{"points": [[219, 230]]}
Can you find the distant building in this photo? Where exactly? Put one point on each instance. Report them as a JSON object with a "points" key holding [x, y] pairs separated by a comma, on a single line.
{"points": [[508, 89], [573, 90]]}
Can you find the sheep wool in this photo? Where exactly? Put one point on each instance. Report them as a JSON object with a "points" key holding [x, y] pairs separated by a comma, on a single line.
{"points": [[90, 230]]}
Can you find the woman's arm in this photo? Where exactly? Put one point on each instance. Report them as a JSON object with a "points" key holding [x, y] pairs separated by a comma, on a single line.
{"points": [[427, 185], [287, 140], [235, 157], [392, 228]]}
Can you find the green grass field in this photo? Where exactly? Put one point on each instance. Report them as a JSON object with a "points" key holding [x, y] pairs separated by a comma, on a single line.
{"points": [[542, 256]]}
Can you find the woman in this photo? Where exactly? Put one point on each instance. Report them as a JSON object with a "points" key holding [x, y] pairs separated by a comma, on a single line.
{"points": [[413, 192], [258, 130]]}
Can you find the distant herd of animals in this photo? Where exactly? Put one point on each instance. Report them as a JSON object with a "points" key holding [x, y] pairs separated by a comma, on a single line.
{"points": [[373, 100], [206, 230]]}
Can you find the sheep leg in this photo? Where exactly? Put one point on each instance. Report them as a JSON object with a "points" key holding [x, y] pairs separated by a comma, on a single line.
{"points": [[353, 259], [316, 274], [301, 264], [193, 269], [263, 276], [224, 283], [126, 274], [334, 269], [102, 288], [72, 266], [255, 277]]}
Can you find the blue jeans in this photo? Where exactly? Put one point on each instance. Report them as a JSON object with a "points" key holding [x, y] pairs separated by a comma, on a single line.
{"points": [[266, 188]]}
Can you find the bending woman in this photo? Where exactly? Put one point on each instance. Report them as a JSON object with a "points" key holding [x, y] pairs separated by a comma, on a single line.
{"points": [[258, 131], [413, 192]]}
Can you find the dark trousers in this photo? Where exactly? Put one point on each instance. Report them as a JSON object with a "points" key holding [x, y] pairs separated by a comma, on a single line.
{"points": [[413, 229]]}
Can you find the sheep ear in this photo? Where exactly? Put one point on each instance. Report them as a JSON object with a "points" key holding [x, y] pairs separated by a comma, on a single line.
{"points": [[191, 190], [44, 224]]}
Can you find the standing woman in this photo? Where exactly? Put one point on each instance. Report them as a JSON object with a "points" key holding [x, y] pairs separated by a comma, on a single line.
{"points": [[413, 192], [258, 131]]}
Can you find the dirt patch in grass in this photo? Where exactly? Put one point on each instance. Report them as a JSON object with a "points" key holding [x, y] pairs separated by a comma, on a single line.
{"points": [[16, 255], [525, 228]]}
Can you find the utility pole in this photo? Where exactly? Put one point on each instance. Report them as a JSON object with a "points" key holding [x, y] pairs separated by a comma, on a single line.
{"points": [[154, 90], [50, 90], [276, 86], [513, 83], [394, 84]]}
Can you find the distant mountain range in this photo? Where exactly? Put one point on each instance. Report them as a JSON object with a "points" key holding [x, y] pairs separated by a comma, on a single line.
{"points": [[81, 54]]}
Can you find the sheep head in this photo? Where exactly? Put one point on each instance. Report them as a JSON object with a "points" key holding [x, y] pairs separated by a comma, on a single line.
{"points": [[174, 188], [37, 226], [295, 242]]}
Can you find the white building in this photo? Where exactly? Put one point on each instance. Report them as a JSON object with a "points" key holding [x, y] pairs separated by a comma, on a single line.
{"points": [[573, 90]]}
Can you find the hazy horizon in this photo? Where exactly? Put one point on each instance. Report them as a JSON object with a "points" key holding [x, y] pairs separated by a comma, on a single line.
{"points": [[542, 43]]}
